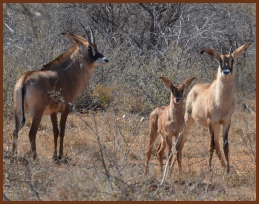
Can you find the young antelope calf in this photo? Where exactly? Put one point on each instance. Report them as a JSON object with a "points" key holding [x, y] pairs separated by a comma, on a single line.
{"points": [[212, 104], [167, 121]]}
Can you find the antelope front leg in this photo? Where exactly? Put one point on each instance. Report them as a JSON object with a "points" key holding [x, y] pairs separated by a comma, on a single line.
{"points": [[179, 147], [63, 120], [54, 121], [160, 153], [212, 144], [225, 143], [182, 137], [216, 129]]}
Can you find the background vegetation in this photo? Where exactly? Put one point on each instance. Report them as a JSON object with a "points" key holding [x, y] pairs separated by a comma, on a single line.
{"points": [[142, 42]]}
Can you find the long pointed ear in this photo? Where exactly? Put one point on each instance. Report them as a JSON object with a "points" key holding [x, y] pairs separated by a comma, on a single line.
{"points": [[187, 82], [167, 82], [239, 50], [81, 40], [75, 39], [70, 38], [211, 52]]}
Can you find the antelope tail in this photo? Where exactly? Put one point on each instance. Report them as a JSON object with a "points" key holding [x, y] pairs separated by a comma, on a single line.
{"points": [[23, 116]]}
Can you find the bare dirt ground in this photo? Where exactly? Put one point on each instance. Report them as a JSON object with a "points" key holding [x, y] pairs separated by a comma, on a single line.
{"points": [[105, 157]]}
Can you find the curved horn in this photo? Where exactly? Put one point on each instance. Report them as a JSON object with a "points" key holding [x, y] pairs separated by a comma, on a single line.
{"points": [[89, 37]]}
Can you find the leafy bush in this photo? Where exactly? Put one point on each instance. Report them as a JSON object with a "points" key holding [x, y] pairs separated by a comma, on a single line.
{"points": [[103, 95]]}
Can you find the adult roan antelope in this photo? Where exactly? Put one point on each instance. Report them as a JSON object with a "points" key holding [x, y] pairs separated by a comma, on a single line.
{"points": [[54, 88], [212, 105], [167, 121]]}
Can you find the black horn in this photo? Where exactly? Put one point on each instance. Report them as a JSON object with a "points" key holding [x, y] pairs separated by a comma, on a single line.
{"points": [[230, 51], [222, 50]]}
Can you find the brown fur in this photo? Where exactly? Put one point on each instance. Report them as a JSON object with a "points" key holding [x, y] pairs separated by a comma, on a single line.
{"points": [[167, 121], [212, 105], [53, 89]]}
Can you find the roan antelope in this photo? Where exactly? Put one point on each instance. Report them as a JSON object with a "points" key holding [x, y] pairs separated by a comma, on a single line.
{"points": [[54, 88], [212, 105], [167, 121]]}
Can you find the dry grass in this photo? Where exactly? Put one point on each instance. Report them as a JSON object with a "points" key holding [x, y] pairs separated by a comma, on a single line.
{"points": [[105, 156]]}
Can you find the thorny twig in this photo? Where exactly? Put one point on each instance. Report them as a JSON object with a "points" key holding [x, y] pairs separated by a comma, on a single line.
{"points": [[99, 144], [166, 168]]}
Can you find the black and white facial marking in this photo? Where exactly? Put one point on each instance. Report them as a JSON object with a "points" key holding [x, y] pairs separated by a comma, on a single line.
{"points": [[226, 62], [178, 94], [96, 56], [226, 65], [91, 51]]}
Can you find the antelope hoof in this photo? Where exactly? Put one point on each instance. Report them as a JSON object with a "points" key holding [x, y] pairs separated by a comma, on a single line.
{"points": [[57, 159], [64, 160], [35, 158], [228, 170], [54, 157]]}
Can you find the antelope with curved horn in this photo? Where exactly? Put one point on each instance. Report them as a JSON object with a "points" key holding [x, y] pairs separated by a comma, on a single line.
{"points": [[54, 88], [167, 121], [212, 105]]}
